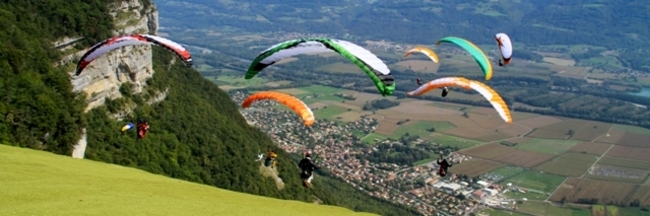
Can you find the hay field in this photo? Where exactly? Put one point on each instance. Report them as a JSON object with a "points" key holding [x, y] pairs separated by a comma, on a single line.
{"points": [[630, 152], [590, 148], [508, 155], [569, 164], [475, 167], [605, 191]]}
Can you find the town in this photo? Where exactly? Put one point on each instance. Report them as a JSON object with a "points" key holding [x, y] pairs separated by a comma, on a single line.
{"points": [[338, 150]]}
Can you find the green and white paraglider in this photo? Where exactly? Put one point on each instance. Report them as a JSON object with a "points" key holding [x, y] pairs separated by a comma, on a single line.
{"points": [[374, 67]]}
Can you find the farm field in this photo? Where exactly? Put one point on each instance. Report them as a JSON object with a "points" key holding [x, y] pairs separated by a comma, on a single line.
{"points": [[590, 148], [506, 172], [541, 208], [569, 164], [508, 155], [474, 167], [547, 146], [605, 191], [536, 181]]}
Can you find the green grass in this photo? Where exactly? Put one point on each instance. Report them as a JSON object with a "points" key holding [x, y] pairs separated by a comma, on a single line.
{"points": [[508, 171], [329, 112], [535, 180], [370, 139], [540, 208], [547, 146], [632, 129], [418, 128], [217, 81], [529, 195], [426, 160], [569, 164], [633, 211], [319, 89], [493, 212], [359, 133], [581, 212], [448, 140], [321, 97], [41, 183], [612, 210]]}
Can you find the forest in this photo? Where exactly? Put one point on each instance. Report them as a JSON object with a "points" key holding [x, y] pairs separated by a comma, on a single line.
{"points": [[38, 108], [197, 133]]}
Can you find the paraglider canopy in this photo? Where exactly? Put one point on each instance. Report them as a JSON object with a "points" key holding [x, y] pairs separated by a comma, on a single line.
{"points": [[292, 102], [477, 53], [488, 93], [368, 62]]}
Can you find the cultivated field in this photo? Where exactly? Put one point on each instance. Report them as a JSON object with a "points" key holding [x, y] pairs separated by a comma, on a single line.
{"points": [[630, 152], [590, 148], [474, 167], [508, 155], [535, 180], [569, 164], [559, 130], [605, 191], [547, 146]]}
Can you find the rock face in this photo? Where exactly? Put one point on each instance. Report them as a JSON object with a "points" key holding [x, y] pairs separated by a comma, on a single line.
{"points": [[104, 76]]}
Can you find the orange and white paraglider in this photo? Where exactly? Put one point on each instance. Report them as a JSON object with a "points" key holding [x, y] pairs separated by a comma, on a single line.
{"points": [[292, 102], [487, 92]]}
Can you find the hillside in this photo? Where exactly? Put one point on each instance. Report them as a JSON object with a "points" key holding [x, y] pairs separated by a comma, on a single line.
{"points": [[57, 185], [617, 25], [197, 133]]}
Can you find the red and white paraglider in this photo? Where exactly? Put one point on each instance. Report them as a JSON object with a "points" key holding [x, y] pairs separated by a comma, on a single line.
{"points": [[131, 39]]}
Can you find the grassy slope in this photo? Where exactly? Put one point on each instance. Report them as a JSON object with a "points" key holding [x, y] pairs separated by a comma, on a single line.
{"points": [[40, 183]]}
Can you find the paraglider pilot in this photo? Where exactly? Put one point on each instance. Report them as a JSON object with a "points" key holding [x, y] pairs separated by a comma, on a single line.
{"points": [[270, 159], [143, 128], [308, 167], [445, 91], [444, 165], [418, 81]]}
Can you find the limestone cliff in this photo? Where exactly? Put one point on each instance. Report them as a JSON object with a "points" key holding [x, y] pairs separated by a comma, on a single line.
{"points": [[104, 76]]}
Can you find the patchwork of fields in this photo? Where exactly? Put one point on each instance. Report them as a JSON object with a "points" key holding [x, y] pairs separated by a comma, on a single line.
{"points": [[564, 157]]}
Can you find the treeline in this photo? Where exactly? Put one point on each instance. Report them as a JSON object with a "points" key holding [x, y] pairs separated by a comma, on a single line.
{"points": [[38, 108], [380, 104]]}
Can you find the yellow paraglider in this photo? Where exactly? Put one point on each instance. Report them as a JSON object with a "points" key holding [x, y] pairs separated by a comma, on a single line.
{"points": [[424, 50]]}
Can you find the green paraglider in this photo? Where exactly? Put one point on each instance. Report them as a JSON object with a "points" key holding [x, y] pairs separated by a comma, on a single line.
{"points": [[473, 50], [375, 68]]}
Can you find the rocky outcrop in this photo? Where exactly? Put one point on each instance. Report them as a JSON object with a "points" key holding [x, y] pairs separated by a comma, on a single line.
{"points": [[104, 76], [133, 64]]}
